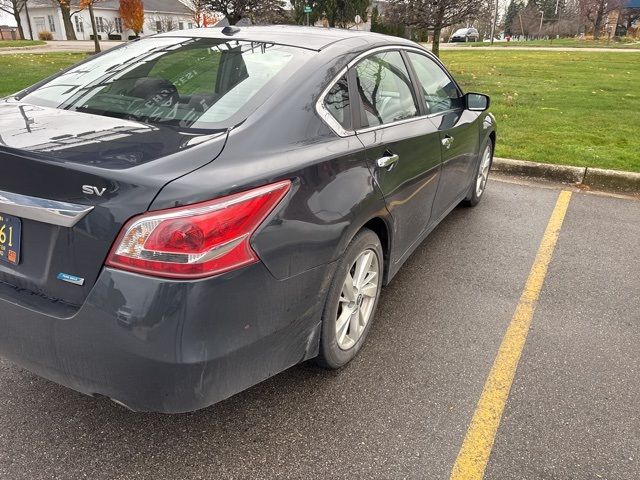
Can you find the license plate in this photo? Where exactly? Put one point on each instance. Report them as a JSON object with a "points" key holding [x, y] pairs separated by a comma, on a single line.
{"points": [[10, 236]]}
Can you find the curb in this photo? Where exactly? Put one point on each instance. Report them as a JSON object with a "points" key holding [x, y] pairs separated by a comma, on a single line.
{"points": [[619, 181], [598, 178]]}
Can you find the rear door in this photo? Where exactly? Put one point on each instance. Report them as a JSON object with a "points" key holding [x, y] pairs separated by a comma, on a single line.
{"points": [[401, 144], [457, 127]]}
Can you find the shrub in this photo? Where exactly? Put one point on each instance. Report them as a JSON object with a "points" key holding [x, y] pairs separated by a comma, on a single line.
{"points": [[115, 37], [45, 35], [134, 37], [99, 37]]}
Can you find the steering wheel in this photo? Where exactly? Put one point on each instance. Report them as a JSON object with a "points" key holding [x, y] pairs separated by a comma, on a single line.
{"points": [[156, 92]]}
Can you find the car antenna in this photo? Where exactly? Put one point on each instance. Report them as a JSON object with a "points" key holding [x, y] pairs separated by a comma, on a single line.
{"points": [[229, 30]]}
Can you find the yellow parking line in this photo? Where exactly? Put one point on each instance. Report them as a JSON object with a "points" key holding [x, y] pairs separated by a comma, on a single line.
{"points": [[476, 448]]}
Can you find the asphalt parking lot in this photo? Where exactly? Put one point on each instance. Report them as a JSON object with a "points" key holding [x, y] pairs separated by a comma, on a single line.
{"points": [[402, 409]]}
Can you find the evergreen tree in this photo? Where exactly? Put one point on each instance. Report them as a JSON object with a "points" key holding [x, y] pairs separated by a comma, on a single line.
{"points": [[511, 17]]}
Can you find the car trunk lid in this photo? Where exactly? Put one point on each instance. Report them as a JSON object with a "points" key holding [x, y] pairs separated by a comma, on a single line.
{"points": [[55, 163]]}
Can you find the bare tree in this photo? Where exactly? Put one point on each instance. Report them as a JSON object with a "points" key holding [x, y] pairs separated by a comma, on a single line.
{"points": [[89, 4], [65, 9], [596, 11], [432, 14], [483, 19], [109, 26], [198, 9], [162, 23], [14, 7]]}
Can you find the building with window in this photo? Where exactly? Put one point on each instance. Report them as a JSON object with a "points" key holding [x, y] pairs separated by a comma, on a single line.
{"points": [[159, 16]]}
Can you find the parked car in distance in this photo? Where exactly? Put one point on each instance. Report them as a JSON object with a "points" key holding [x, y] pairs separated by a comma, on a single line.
{"points": [[465, 35], [189, 214]]}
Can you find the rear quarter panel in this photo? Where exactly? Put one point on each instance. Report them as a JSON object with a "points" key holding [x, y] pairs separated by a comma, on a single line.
{"points": [[333, 193]]}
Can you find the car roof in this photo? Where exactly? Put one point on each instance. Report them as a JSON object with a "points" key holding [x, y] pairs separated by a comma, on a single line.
{"points": [[311, 38]]}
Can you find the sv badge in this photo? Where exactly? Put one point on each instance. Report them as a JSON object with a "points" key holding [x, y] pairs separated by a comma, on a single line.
{"points": [[91, 190]]}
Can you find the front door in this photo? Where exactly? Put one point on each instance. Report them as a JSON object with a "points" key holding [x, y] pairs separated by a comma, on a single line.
{"points": [[456, 126], [403, 147]]}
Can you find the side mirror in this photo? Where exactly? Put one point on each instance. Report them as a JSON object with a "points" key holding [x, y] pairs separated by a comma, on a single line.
{"points": [[476, 102]]}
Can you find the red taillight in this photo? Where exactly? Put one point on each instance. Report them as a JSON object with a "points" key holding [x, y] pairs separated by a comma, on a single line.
{"points": [[198, 240]]}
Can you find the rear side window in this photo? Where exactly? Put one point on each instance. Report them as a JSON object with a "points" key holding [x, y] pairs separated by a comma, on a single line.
{"points": [[337, 103], [440, 93], [385, 89], [184, 82]]}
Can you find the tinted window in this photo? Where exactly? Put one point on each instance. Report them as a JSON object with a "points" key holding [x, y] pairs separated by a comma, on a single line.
{"points": [[384, 89], [439, 91], [337, 103], [196, 83]]}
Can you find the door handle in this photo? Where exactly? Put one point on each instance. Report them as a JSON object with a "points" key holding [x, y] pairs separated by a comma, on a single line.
{"points": [[447, 141], [388, 160]]}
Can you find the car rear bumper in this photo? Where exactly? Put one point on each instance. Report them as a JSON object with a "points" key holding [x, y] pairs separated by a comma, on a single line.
{"points": [[167, 346]]}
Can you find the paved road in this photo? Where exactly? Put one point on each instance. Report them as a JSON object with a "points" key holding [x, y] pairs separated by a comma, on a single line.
{"points": [[402, 408]]}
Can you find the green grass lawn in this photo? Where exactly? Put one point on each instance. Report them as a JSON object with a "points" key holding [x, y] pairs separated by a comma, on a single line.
{"points": [[562, 42], [574, 108], [21, 70], [20, 43]]}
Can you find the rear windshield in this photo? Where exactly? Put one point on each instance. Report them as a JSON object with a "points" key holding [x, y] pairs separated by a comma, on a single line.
{"points": [[183, 82]]}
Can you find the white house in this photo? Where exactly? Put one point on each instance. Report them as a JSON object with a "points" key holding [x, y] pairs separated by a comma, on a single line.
{"points": [[159, 16]]}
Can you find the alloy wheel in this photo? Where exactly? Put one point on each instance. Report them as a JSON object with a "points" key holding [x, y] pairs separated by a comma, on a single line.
{"points": [[483, 171], [357, 299]]}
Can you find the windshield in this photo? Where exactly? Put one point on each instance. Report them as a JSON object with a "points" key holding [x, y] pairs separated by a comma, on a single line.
{"points": [[184, 82]]}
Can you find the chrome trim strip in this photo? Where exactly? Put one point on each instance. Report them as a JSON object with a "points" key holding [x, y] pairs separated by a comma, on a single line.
{"points": [[326, 115], [333, 123], [42, 210]]}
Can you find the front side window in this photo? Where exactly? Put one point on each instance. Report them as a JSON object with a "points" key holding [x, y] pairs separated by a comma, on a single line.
{"points": [[384, 88], [337, 103], [183, 82], [440, 93]]}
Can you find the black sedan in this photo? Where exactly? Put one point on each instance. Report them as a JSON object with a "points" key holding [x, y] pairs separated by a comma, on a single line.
{"points": [[186, 215]]}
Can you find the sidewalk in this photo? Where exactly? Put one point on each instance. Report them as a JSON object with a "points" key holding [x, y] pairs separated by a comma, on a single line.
{"points": [[68, 46]]}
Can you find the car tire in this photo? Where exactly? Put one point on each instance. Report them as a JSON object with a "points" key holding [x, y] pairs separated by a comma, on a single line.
{"points": [[479, 183], [349, 311]]}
